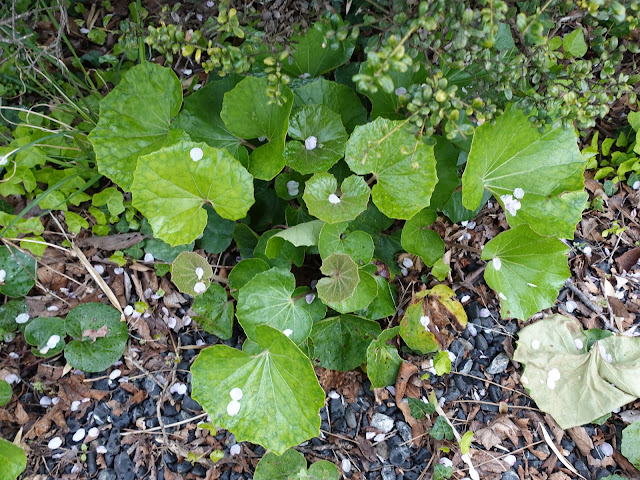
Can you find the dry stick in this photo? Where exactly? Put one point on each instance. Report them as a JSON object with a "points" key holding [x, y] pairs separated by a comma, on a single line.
{"points": [[521, 407], [583, 298], [155, 429], [339, 436], [477, 251], [493, 383]]}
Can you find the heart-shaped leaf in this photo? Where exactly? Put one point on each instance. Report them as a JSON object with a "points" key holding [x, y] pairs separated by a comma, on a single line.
{"points": [[5, 393], [419, 240], [283, 254], [19, 272], [249, 113], [383, 361], [214, 312], [244, 271], [134, 120], [290, 185], [385, 303], [527, 270], [331, 205], [365, 292], [191, 273], [319, 139], [100, 337], [537, 177], [358, 245], [341, 279], [218, 233], [248, 394], [280, 467], [340, 343], [339, 98], [266, 299], [559, 371], [13, 460], [45, 335], [171, 186], [404, 166]]}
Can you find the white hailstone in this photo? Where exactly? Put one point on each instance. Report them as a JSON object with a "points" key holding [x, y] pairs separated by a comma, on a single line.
{"points": [[346, 465], [484, 312], [401, 91], [446, 462], [178, 388], [512, 205], [497, 263], [518, 193], [334, 199], [587, 251], [199, 342], [196, 154], [84, 30], [52, 308], [45, 401], [53, 341], [472, 329], [510, 460], [235, 450], [172, 322], [233, 408], [535, 344], [187, 71], [552, 377], [606, 449], [452, 356], [55, 400], [404, 272], [186, 320], [311, 142], [262, 139], [304, 75], [14, 355], [471, 225], [571, 306], [407, 262], [236, 394], [148, 257], [210, 4], [425, 321], [607, 356], [3, 276], [44, 350], [333, 394], [287, 332], [309, 298], [465, 298], [99, 269], [128, 310], [293, 188], [502, 296], [12, 378], [55, 443], [199, 272], [525, 380], [118, 270], [101, 449], [370, 435], [379, 437], [22, 318], [391, 390], [79, 435], [93, 432], [115, 374], [578, 343], [636, 185], [199, 287], [532, 285], [75, 405]]}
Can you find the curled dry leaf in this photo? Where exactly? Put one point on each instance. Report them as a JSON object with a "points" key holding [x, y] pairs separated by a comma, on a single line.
{"points": [[95, 334]]}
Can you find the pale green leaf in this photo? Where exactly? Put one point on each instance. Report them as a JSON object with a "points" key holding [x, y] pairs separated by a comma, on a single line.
{"points": [[170, 189], [244, 271], [383, 361], [75, 222], [630, 447], [404, 166], [214, 312], [365, 292], [218, 233], [12, 459], [112, 198], [385, 302], [341, 278], [20, 272], [332, 205], [279, 387], [574, 44], [334, 239], [420, 240], [283, 254], [134, 120], [280, 467], [527, 270], [511, 154], [190, 269], [8, 313], [319, 139], [465, 442], [5, 393], [442, 363], [560, 372], [301, 235]]}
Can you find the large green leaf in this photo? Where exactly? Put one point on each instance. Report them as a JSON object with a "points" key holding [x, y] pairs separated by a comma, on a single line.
{"points": [[170, 188], [318, 141], [332, 205], [266, 299], [200, 117], [333, 239], [561, 373], [249, 113], [340, 343], [134, 120], [383, 361], [365, 292], [282, 254], [404, 166], [100, 337], [12, 459], [218, 233], [537, 177], [19, 272], [341, 279], [214, 312], [45, 335], [420, 240], [339, 98], [384, 304], [281, 397], [630, 447], [527, 270], [301, 235], [244, 271], [5, 393], [446, 155]]}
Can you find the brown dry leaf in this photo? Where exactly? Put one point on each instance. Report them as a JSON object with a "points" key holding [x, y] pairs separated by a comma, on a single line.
{"points": [[497, 430], [112, 242], [600, 462], [559, 476], [582, 440], [558, 433], [488, 464], [418, 427], [630, 416], [407, 370], [346, 383], [628, 259], [20, 415], [95, 334], [367, 449]]}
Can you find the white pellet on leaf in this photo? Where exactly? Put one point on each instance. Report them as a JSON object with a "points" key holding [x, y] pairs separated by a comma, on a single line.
{"points": [[518, 193], [535, 344], [233, 408], [287, 332], [497, 263], [199, 287], [199, 272], [196, 154], [22, 318], [334, 199], [311, 143], [579, 344], [502, 296], [235, 393], [148, 257], [309, 298], [552, 377], [3, 276], [425, 321], [53, 341]]}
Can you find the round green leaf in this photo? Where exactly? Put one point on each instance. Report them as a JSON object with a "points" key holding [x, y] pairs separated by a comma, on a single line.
{"points": [[19, 272], [385, 302], [340, 343], [41, 331], [551, 187], [280, 467], [12, 459], [283, 256], [339, 98], [134, 120], [214, 312], [630, 447], [266, 299], [290, 185], [279, 389], [249, 113], [319, 139], [419, 240], [527, 270], [405, 167], [244, 271], [8, 314], [100, 337], [170, 188], [302, 235], [5, 393], [191, 273], [341, 279], [331, 205], [358, 245], [383, 361], [365, 292], [323, 470]]}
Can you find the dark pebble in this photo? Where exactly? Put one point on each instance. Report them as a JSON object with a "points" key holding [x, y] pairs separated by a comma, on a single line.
{"points": [[481, 343], [340, 425], [121, 421], [149, 407], [92, 466], [120, 396], [102, 384], [107, 474], [186, 339], [191, 404], [136, 413], [123, 467], [113, 444], [399, 454], [404, 430], [169, 410], [452, 394], [510, 476], [495, 393], [199, 471], [151, 387], [108, 459], [184, 467], [73, 425], [462, 384], [336, 408], [582, 468], [350, 417], [169, 457], [101, 414], [388, 473]]}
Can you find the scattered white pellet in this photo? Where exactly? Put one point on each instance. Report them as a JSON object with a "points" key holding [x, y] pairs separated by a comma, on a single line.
{"points": [[178, 388], [3, 275], [518, 193], [233, 408], [128, 310], [510, 460], [379, 437], [309, 298], [293, 188], [172, 322], [401, 91], [579, 344], [425, 321], [535, 344], [497, 263], [446, 462], [53, 341], [99, 269], [55, 443], [148, 258], [93, 433], [346, 465], [14, 355], [79, 435], [84, 30], [407, 262], [311, 142], [334, 199], [199, 272], [502, 296], [485, 312], [75, 405], [552, 377], [12, 378], [606, 449], [101, 449], [115, 374], [333, 394], [22, 318], [370, 435], [235, 449], [199, 287], [465, 299], [196, 155], [571, 306], [287, 332], [587, 251], [236, 394], [52, 308], [118, 270]]}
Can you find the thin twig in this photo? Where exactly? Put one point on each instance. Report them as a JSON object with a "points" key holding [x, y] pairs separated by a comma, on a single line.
{"points": [[583, 298]]}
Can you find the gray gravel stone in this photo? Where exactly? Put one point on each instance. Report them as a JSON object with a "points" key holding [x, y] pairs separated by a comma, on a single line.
{"points": [[383, 450], [498, 364], [399, 454], [388, 473], [350, 418], [382, 422], [404, 430], [510, 476], [123, 467], [107, 474]]}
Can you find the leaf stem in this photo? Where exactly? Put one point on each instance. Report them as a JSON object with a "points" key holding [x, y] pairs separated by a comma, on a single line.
{"points": [[477, 251]]}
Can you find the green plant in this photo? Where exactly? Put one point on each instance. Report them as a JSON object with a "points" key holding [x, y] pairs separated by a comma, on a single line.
{"points": [[291, 465], [630, 447], [13, 460]]}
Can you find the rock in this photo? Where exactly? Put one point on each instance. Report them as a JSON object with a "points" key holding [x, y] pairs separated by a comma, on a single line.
{"points": [[383, 450], [92, 466], [404, 430], [510, 476], [382, 422], [151, 387], [114, 442], [101, 414], [350, 418], [388, 473], [184, 467], [123, 467], [191, 404], [107, 474], [399, 454], [122, 421], [169, 410], [498, 364], [336, 408], [481, 343]]}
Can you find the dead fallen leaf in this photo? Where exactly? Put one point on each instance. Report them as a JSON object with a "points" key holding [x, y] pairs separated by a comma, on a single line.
{"points": [[582, 440], [628, 259], [407, 370], [95, 334]]}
